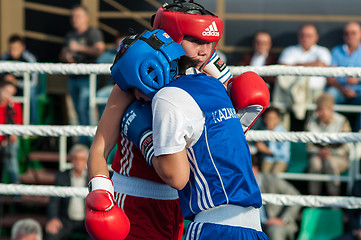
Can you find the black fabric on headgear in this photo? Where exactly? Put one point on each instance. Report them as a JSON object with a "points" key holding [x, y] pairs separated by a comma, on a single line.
{"points": [[186, 7]]}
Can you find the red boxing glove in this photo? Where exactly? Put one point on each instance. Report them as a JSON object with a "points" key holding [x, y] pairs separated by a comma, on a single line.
{"points": [[104, 219], [250, 97]]}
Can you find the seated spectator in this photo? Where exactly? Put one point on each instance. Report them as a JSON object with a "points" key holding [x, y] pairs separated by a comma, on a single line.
{"points": [[327, 158], [275, 155], [26, 229], [298, 91], [261, 54], [17, 52], [10, 113], [309, 54], [347, 90], [66, 215], [354, 217], [278, 222]]}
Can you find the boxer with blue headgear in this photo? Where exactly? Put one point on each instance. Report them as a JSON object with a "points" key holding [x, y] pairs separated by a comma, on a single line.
{"points": [[154, 213], [148, 62]]}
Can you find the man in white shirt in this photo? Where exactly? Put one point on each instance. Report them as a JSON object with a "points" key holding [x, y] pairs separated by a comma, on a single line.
{"points": [[307, 53]]}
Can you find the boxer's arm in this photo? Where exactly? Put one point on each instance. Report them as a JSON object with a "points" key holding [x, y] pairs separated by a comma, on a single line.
{"points": [[173, 169], [108, 131], [177, 125], [104, 219]]}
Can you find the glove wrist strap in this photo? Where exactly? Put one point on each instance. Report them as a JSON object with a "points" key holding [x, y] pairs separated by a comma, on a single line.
{"points": [[101, 182], [146, 146]]}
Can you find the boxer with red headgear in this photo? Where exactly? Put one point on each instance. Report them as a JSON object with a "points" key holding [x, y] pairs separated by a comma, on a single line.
{"points": [[183, 19], [179, 21]]}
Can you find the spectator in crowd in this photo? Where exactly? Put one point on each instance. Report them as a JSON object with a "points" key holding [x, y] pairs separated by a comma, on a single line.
{"points": [[309, 54], [83, 44], [347, 90], [108, 57], [261, 54], [9, 77], [327, 158], [275, 155], [26, 229], [354, 217], [298, 91], [66, 215], [17, 52], [10, 113], [278, 222]]}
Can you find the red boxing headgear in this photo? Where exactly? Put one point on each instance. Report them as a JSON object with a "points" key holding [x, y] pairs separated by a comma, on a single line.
{"points": [[189, 19]]}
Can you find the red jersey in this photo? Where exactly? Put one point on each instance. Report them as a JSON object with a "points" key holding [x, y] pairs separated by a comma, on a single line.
{"points": [[129, 161], [155, 219], [13, 110]]}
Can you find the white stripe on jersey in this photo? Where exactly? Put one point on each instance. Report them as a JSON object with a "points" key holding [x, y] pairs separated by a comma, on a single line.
{"points": [[193, 231], [198, 193], [120, 199], [126, 161], [123, 196], [214, 165], [130, 159], [207, 192], [202, 182]]}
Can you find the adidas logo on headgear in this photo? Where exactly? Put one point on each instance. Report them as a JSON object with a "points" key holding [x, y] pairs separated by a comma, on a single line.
{"points": [[211, 30]]}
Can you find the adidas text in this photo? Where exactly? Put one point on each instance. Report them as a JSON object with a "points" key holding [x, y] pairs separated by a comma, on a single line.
{"points": [[210, 33]]}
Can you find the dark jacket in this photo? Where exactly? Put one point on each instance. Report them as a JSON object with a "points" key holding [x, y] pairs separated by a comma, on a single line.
{"points": [[58, 206]]}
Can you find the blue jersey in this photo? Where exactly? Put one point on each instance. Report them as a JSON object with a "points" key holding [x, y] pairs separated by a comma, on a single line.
{"points": [[220, 161]]}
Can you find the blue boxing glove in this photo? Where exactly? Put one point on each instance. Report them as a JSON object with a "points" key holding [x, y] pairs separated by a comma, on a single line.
{"points": [[137, 127]]}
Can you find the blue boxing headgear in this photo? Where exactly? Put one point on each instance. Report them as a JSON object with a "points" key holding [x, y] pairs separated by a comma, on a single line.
{"points": [[148, 61]]}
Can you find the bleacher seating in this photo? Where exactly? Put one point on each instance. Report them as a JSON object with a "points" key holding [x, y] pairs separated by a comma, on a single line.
{"points": [[321, 224]]}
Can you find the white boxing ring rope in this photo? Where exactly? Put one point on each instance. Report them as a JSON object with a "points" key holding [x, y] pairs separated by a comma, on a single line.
{"points": [[94, 69], [104, 68], [277, 199], [311, 201], [252, 135]]}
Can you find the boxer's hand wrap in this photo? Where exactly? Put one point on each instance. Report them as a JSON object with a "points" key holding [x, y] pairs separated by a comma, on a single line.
{"points": [[101, 182], [137, 127], [250, 97], [217, 68]]}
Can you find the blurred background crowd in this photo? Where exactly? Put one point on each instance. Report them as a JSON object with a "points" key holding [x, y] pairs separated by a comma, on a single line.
{"points": [[256, 33]]}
